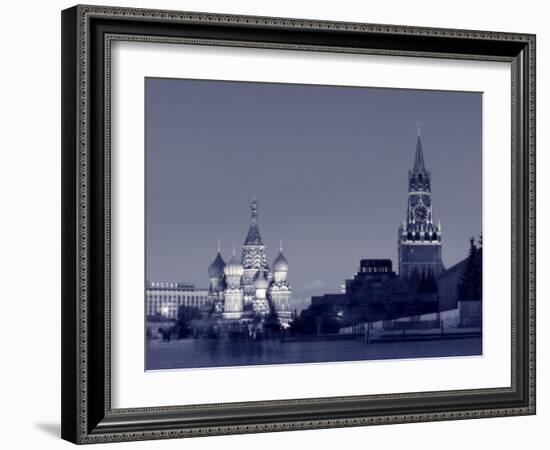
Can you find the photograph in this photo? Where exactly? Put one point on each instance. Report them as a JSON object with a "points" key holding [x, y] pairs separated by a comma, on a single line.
{"points": [[301, 223], [287, 219]]}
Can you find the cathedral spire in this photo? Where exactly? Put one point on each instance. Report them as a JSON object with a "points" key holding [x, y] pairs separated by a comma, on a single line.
{"points": [[254, 210], [253, 237]]}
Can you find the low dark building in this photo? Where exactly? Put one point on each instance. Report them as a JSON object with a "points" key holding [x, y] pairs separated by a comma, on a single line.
{"points": [[332, 300], [373, 272], [376, 292]]}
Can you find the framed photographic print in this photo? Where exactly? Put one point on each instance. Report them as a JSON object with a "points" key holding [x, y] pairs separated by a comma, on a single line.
{"points": [[281, 224]]}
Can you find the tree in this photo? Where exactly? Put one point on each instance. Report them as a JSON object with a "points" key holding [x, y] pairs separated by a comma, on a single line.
{"points": [[470, 285], [431, 283], [421, 287], [186, 314], [414, 279], [479, 263], [271, 323], [304, 323], [307, 322], [426, 284]]}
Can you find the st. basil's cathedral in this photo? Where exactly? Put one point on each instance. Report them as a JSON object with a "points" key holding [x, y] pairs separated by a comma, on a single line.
{"points": [[247, 289]]}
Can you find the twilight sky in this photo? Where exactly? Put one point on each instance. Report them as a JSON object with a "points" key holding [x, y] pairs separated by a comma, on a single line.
{"points": [[328, 165]]}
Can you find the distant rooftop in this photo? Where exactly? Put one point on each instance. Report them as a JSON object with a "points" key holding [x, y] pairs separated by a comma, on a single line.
{"points": [[375, 265], [171, 285]]}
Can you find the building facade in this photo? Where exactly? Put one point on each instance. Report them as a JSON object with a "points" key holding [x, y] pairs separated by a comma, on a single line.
{"points": [[419, 238], [164, 298]]}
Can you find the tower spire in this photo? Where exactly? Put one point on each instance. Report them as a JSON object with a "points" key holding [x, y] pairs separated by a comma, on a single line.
{"points": [[419, 246], [419, 156], [418, 127]]}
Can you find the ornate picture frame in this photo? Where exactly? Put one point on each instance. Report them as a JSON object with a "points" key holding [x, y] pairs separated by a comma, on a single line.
{"points": [[87, 35]]}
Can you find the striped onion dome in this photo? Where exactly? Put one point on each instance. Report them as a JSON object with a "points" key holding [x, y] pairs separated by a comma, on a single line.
{"points": [[280, 264], [215, 270]]}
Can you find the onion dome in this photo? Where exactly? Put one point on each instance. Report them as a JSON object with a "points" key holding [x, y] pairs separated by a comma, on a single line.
{"points": [[280, 264], [261, 282], [234, 268], [215, 270]]}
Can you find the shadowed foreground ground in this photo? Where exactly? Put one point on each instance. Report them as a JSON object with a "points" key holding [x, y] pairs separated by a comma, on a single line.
{"points": [[218, 353]]}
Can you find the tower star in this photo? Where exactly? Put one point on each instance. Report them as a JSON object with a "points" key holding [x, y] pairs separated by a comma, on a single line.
{"points": [[418, 127]]}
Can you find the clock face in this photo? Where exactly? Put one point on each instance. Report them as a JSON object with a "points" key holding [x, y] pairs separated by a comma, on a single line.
{"points": [[420, 213]]}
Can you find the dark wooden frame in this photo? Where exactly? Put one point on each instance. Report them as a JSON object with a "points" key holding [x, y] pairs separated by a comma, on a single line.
{"points": [[87, 416]]}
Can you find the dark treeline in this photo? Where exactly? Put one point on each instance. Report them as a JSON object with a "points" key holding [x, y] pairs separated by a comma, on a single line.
{"points": [[470, 286]]}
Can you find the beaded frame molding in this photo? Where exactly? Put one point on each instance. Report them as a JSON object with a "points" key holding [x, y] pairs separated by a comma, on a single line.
{"points": [[87, 35]]}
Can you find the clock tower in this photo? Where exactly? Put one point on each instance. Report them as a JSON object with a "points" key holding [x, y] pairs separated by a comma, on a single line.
{"points": [[419, 238]]}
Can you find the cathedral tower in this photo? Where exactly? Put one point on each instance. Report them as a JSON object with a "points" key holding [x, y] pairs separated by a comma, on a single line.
{"points": [[217, 282], [253, 257], [233, 294], [279, 290], [260, 305], [419, 239]]}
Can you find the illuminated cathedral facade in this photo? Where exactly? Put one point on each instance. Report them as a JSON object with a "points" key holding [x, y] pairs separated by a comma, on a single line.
{"points": [[247, 288]]}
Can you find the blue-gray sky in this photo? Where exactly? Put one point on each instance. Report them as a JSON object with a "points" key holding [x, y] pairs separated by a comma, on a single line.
{"points": [[328, 165]]}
